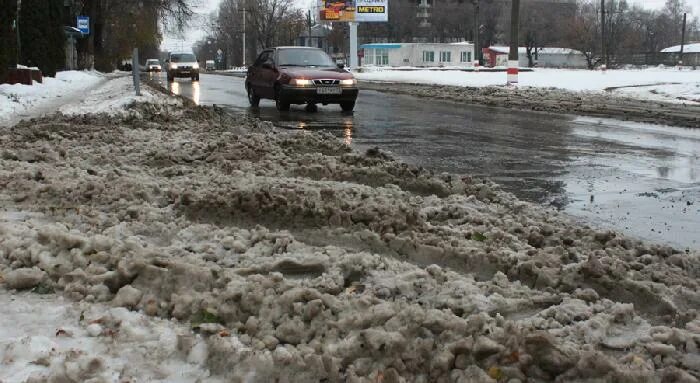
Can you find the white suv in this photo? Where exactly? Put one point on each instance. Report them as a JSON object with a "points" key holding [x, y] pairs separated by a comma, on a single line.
{"points": [[183, 65]]}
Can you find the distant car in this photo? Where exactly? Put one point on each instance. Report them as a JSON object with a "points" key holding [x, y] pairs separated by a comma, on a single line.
{"points": [[153, 65], [124, 65], [183, 65], [300, 75], [210, 65]]}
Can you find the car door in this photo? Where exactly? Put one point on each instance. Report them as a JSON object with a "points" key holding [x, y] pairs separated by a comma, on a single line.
{"points": [[255, 74], [268, 75]]}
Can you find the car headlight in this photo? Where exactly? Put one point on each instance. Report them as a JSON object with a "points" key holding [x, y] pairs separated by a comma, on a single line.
{"points": [[195, 66], [173, 66], [300, 82], [348, 82]]}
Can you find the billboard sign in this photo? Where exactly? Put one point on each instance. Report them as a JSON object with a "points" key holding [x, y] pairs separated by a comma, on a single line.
{"points": [[355, 10], [84, 24]]}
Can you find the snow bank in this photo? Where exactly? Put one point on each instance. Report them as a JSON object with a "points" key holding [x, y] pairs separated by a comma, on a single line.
{"points": [[665, 84], [20, 99], [115, 97], [297, 260], [241, 69]]}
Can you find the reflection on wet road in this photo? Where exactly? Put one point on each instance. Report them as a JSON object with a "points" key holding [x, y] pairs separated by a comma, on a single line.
{"points": [[640, 179]]}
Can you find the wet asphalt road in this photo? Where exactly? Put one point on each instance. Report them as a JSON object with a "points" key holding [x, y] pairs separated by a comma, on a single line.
{"points": [[643, 180]]}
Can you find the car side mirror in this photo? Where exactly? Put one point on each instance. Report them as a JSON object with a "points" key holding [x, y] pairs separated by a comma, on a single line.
{"points": [[268, 65], [341, 66]]}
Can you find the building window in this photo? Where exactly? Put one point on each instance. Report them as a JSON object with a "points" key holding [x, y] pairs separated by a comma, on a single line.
{"points": [[465, 57], [381, 56], [428, 56], [369, 56], [445, 57], [376, 56]]}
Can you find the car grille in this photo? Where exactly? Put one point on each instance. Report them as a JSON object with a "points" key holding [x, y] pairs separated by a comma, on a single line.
{"points": [[326, 82], [184, 67]]}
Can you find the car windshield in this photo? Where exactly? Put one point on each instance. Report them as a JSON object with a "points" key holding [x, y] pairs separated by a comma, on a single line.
{"points": [[152, 62], [303, 57], [182, 58]]}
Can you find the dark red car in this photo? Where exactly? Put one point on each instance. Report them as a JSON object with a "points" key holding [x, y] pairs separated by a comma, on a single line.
{"points": [[300, 75]]}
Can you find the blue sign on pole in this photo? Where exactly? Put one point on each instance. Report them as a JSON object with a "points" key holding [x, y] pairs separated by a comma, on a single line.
{"points": [[84, 24]]}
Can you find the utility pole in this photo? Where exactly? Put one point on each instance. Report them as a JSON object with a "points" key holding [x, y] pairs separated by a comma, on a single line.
{"points": [[19, 43], [680, 57], [477, 48], [308, 24], [602, 36], [244, 51], [513, 61]]}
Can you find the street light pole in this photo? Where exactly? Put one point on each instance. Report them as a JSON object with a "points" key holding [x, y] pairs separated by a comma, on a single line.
{"points": [[513, 59], [19, 43], [244, 51], [680, 57], [477, 48], [602, 35]]}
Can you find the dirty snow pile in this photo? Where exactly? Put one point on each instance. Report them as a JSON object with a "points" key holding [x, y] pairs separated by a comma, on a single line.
{"points": [[677, 93], [19, 99], [47, 339], [294, 259], [665, 84], [115, 97]]}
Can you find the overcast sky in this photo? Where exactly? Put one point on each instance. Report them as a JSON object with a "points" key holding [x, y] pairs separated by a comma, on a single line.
{"points": [[205, 7]]}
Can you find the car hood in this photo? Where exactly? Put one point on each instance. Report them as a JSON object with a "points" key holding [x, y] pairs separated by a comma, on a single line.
{"points": [[316, 73]]}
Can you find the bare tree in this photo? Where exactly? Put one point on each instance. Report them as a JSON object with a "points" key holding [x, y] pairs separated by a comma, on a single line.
{"points": [[274, 21], [583, 32]]}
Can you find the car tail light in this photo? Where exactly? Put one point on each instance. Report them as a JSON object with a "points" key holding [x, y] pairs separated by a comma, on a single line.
{"points": [[300, 82]]}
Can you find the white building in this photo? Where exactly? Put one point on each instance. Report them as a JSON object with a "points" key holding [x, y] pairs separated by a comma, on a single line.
{"points": [[691, 53], [418, 54], [542, 57]]}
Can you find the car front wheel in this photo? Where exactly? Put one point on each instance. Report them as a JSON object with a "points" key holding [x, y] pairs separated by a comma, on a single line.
{"points": [[253, 99], [281, 105], [347, 106]]}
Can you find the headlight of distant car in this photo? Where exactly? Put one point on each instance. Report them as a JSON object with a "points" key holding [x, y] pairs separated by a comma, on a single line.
{"points": [[348, 82], [195, 66], [300, 82], [173, 66]]}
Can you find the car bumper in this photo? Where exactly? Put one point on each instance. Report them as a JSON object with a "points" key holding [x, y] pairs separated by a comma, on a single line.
{"points": [[299, 95], [154, 69], [183, 72]]}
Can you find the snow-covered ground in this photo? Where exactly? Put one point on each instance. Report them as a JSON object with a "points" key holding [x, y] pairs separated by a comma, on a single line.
{"points": [[17, 100], [298, 260], [668, 84]]}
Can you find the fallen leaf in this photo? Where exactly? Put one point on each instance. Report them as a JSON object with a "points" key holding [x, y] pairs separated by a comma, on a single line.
{"points": [[495, 373]]}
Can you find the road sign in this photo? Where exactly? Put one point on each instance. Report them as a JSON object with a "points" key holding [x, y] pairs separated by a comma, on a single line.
{"points": [[355, 10], [84, 24]]}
